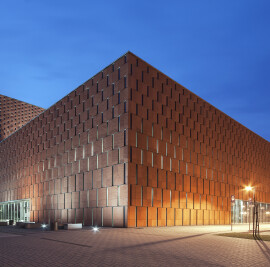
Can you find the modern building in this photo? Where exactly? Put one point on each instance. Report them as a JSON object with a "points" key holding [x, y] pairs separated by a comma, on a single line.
{"points": [[131, 147]]}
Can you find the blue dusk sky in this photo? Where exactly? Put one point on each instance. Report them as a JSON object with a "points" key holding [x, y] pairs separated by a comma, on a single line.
{"points": [[220, 50]]}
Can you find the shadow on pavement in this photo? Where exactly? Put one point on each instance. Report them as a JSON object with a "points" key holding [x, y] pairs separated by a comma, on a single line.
{"points": [[65, 242], [159, 242], [263, 247]]}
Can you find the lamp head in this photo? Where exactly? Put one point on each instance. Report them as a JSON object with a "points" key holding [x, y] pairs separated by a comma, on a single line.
{"points": [[248, 188]]}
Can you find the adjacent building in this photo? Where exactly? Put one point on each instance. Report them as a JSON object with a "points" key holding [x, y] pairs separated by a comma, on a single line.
{"points": [[131, 147], [14, 114]]}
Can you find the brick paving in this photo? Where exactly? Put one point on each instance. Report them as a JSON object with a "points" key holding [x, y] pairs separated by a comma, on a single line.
{"points": [[166, 246]]}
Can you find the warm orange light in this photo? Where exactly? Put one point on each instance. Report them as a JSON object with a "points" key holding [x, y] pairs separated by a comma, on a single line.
{"points": [[248, 188]]}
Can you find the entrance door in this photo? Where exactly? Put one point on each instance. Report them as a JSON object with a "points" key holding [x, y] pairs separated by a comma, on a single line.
{"points": [[17, 210]]}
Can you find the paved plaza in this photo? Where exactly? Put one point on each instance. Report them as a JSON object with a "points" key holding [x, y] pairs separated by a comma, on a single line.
{"points": [[164, 246]]}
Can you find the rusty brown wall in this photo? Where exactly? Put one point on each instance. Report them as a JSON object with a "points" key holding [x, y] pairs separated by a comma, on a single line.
{"points": [[71, 161], [186, 157]]}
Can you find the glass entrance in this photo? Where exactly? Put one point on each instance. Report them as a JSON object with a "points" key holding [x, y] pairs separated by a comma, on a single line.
{"points": [[17, 210], [242, 212]]}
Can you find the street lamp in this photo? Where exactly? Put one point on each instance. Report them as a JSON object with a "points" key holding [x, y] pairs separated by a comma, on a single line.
{"points": [[249, 188]]}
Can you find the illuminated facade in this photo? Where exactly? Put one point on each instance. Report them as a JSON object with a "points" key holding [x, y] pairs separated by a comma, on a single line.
{"points": [[131, 147]]}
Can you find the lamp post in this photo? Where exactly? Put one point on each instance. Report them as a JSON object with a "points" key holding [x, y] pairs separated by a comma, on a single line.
{"points": [[249, 203], [232, 205], [249, 188]]}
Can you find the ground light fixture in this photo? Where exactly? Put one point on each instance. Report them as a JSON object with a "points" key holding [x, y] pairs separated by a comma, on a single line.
{"points": [[43, 226], [95, 229]]}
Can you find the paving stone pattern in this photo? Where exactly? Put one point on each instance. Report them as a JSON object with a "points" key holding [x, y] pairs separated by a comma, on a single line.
{"points": [[164, 246]]}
